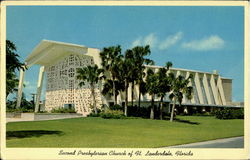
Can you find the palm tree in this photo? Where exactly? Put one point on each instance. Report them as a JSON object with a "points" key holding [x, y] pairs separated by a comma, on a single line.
{"points": [[151, 82], [11, 83], [91, 74], [111, 57], [163, 84], [131, 71], [127, 67], [179, 87], [12, 64], [139, 59], [108, 88]]}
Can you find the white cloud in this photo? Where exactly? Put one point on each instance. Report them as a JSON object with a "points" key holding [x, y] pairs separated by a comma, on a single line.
{"points": [[29, 87], [170, 41], [209, 43], [150, 39], [137, 42], [154, 42]]}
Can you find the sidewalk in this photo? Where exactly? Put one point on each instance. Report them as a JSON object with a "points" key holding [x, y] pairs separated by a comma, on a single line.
{"points": [[43, 116], [235, 142]]}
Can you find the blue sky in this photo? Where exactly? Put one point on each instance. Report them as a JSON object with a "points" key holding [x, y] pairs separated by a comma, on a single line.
{"points": [[197, 38]]}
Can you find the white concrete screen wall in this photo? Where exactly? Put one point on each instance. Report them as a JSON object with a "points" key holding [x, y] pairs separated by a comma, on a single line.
{"points": [[60, 61], [63, 86]]}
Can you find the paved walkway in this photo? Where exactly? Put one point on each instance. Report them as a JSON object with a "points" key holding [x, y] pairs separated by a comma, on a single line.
{"points": [[236, 142], [42, 117]]}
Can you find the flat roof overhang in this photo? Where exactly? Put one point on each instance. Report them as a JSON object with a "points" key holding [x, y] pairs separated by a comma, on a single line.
{"points": [[186, 70], [48, 51]]}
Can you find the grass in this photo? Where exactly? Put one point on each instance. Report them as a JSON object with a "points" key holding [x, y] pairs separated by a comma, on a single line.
{"points": [[94, 132]]}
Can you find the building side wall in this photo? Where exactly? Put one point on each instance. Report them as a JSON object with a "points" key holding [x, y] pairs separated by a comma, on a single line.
{"points": [[227, 86], [208, 89]]}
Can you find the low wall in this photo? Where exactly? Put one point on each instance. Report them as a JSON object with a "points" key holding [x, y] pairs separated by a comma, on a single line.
{"points": [[13, 115], [16, 117], [49, 116]]}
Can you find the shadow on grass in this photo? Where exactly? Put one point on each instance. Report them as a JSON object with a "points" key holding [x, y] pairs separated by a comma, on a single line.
{"points": [[186, 121], [30, 133]]}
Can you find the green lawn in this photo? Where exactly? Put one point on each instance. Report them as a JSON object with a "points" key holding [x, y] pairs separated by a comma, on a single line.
{"points": [[132, 133]]}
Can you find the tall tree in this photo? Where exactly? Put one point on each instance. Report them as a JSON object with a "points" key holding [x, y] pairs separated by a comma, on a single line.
{"points": [[179, 88], [91, 74], [127, 73], [111, 58], [164, 84], [131, 73], [11, 83], [151, 82], [12, 64], [140, 60], [108, 88]]}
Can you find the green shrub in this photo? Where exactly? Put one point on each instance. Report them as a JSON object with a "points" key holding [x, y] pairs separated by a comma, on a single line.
{"points": [[229, 113], [239, 113], [94, 115], [116, 107], [62, 110], [202, 114], [134, 111], [43, 112], [12, 110], [112, 114]]}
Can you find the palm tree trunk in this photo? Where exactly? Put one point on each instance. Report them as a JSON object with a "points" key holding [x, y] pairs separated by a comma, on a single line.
{"points": [[161, 107], [93, 96], [132, 93], [152, 108], [114, 93], [139, 101], [172, 112], [126, 98], [116, 98]]}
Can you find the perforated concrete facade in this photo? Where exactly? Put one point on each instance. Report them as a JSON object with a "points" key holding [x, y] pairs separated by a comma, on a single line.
{"points": [[63, 87]]}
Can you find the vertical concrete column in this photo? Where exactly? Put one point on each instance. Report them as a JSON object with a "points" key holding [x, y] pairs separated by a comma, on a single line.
{"points": [[215, 90], [206, 87], [198, 87], [177, 74], [129, 92], [119, 99], [20, 88], [190, 84], [185, 100], [221, 91], [39, 87], [185, 110], [184, 97]]}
